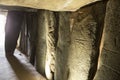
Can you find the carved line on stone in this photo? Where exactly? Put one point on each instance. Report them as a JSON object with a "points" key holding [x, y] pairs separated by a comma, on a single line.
{"points": [[110, 50], [116, 71]]}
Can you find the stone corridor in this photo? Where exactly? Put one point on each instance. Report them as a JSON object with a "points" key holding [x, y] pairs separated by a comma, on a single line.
{"points": [[17, 67], [61, 43]]}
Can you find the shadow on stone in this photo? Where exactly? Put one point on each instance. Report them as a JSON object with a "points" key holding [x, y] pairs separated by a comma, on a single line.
{"points": [[22, 71]]}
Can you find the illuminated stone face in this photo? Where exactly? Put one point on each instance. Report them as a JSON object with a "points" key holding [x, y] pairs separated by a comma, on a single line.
{"points": [[54, 5], [2, 25]]}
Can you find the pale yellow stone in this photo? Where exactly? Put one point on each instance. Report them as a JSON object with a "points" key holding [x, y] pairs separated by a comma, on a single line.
{"points": [[54, 5]]}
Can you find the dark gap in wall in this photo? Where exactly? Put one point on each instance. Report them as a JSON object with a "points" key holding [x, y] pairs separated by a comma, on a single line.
{"points": [[99, 17], [32, 24], [56, 28]]}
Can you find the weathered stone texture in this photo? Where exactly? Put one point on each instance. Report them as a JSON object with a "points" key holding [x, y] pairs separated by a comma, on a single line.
{"points": [[41, 42], [23, 37], [67, 43], [62, 49], [54, 5], [50, 55], [45, 54], [86, 30], [82, 45], [109, 63], [32, 25]]}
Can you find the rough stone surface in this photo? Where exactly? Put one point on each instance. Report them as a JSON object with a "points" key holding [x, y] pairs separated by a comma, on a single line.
{"points": [[109, 63], [17, 67], [86, 27], [32, 25], [37, 40], [55, 5], [78, 42], [50, 54], [27, 40], [41, 42], [22, 46], [68, 43], [62, 49], [82, 45]]}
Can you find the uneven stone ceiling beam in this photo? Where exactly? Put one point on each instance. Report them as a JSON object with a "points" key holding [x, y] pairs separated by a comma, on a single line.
{"points": [[53, 5]]}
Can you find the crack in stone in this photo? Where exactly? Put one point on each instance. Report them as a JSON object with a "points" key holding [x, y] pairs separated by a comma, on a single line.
{"points": [[116, 71], [110, 50]]}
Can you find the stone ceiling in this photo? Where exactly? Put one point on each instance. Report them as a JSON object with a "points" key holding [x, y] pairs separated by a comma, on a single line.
{"points": [[53, 5]]}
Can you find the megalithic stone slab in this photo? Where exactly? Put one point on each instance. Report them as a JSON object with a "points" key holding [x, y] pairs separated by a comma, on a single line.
{"points": [[109, 62], [54, 5], [82, 48]]}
